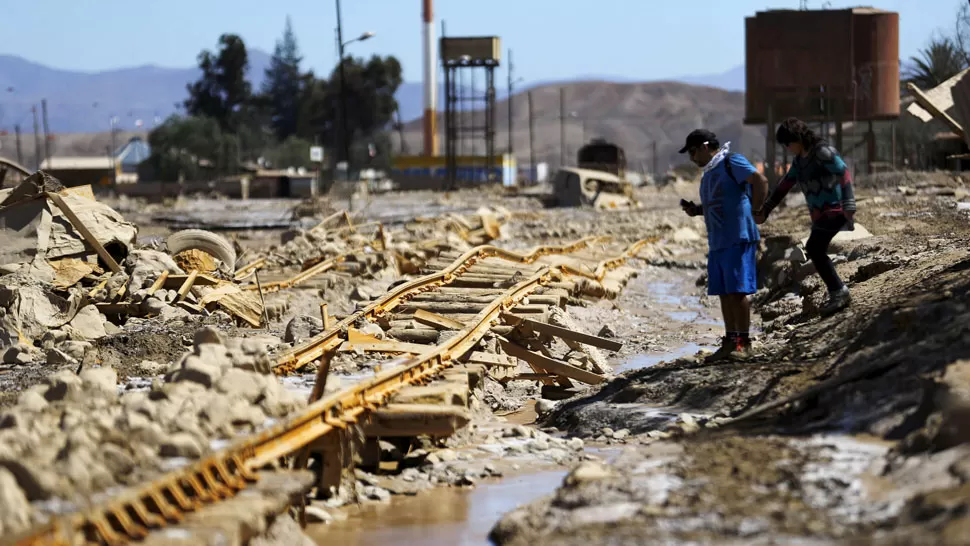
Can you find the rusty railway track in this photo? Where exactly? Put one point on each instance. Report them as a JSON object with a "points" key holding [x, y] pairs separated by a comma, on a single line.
{"points": [[134, 513]]}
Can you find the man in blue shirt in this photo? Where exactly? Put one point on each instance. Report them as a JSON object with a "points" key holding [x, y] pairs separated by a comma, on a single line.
{"points": [[730, 188]]}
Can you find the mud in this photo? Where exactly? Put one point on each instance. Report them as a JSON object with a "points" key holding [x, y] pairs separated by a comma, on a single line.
{"points": [[865, 441], [845, 428]]}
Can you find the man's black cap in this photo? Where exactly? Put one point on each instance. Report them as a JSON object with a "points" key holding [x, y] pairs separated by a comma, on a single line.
{"points": [[697, 138]]}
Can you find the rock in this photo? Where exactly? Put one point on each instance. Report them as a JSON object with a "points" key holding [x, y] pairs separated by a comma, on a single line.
{"points": [[360, 293], [446, 455], [181, 444], [56, 357], [103, 381], [315, 514], [544, 406], [302, 327], [64, 384], [607, 431], [237, 383], [196, 370], [607, 332], [373, 492], [207, 335], [575, 444], [520, 431], [283, 530], [539, 445], [75, 349], [587, 472], [372, 329], [116, 459], [14, 507], [621, 434], [35, 484], [796, 254], [145, 266], [150, 367], [155, 307], [111, 329], [242, 414], [688, 423], [20, 354], [87, 325], [32, 401], [685, 235]]}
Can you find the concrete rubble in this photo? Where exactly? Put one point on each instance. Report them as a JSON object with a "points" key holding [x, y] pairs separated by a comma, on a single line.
{"points": [[73, 437]]}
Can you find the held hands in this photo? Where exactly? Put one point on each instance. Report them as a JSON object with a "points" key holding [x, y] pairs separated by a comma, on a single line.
{"points": [[760, 216], [850, 219], [690, 208]]}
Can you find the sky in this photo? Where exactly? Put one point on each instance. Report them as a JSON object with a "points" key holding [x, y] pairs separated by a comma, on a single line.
{"points": [[550, 39]]}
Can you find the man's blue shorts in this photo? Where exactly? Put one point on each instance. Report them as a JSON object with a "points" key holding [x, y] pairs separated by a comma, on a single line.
{"points": [[733, 270]]}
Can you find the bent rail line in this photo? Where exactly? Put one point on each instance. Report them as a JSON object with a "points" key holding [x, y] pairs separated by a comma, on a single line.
{"points": [[132, 514]]}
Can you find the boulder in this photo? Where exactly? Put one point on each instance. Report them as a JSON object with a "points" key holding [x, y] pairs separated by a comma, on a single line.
{"points": [[302, 327]]}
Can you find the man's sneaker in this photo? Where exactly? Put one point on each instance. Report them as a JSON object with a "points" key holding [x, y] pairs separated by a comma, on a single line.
{"points": [[727, 346], [741, 350], [838, 301]]}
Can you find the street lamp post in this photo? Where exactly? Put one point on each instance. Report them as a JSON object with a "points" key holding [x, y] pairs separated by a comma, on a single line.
{"points": [[344, 135]]}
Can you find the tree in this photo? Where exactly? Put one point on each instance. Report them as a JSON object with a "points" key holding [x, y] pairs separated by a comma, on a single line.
{"points": [[223, 90], [370, 88], [961, 35], [939, 61], [283, 86], [190, 148]]}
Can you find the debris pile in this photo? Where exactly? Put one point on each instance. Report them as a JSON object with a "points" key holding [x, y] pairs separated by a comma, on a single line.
{"points": [[73, 436]]}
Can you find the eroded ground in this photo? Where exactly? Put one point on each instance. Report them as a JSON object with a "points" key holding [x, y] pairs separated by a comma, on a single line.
{"points": [[844, 428]]}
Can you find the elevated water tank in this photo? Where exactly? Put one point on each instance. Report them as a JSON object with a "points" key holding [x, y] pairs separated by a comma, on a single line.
{"points": [[821, 65]]}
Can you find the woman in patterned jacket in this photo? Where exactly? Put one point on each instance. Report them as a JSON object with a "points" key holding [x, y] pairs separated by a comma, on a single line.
{"points": [[823, 177]]}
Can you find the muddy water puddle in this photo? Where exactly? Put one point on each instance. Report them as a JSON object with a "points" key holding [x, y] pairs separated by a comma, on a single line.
{"points": [[442, 516], [647, 360]]}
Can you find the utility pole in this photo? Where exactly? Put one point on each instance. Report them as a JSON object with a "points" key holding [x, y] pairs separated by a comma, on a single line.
{"points": [[532, 140], [20, 153], [47, 133], [509, 101], [345, 139], [562, 127], [33, 110]]}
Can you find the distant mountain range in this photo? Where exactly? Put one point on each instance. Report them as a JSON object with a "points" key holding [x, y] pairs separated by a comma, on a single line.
{"points": [[85, 102]]}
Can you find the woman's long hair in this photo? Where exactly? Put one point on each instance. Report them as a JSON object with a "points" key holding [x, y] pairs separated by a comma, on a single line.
{"points": [[795, 130]]}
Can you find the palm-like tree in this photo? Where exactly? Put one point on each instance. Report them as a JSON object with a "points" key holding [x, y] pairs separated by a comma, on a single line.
{"points": [[939, 61]]}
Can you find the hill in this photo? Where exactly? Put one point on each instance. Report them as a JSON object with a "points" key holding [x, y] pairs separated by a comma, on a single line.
{"points": [[632, 115], [81, 102], [148, 91]]}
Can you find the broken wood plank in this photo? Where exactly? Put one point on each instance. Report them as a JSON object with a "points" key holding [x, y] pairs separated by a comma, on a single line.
{"points": [[416, 335], [532, 376], [563, 333], [553, 365], [118, 308], [383, 347], [356, 336], [183, 291], [404, 420], [85, 233], [446, 308], [439, 393], [176, 281], [437, 321], [159, 282], [491, 359]]}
